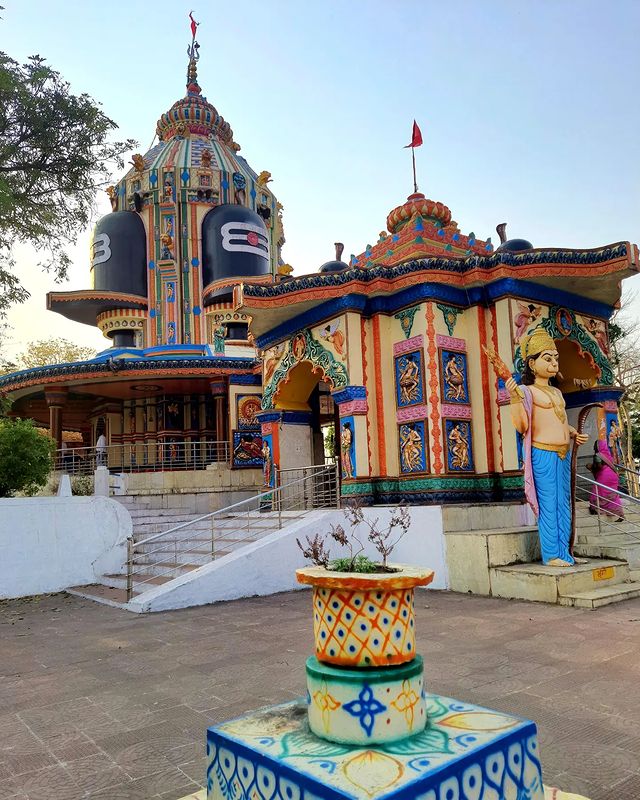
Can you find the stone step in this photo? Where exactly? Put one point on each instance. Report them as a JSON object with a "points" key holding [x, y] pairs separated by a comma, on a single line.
{"points": [[622, 551], [141, 582], [170, 568], [107, 595], [535, 581], [603, 596]]}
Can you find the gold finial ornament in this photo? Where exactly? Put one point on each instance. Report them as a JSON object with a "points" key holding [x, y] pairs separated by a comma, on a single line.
{"points": [[536, 343], [137, 160], [263, 178]]}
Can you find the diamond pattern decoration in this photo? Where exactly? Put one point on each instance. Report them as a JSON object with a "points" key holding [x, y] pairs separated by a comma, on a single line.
{"points": [[364, 628]]}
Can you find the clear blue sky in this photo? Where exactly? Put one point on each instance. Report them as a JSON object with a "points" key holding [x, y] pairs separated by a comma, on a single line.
{"points": [[528, 108]]}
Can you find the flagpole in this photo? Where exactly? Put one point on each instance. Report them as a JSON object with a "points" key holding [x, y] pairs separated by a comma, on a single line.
{"points": [[413, 158]]}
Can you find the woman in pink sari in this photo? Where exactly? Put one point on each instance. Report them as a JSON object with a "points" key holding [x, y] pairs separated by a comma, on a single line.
{"points": [[604, 472]]}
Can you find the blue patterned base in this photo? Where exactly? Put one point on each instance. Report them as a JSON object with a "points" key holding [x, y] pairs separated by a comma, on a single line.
{"points": [[465, 753]]}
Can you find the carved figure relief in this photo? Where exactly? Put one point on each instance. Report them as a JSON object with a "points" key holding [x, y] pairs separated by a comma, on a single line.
{"points": [[413, 450], [219, 335], [527, 315], [598, 329], [409, 376], [347, 448], [248, 406], [332, 334], [247, 450], [459, 452], [455, 388], [271, 360], [267, 462]]}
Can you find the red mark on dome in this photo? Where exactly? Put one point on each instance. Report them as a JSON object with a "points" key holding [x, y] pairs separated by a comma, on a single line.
{"points": [[252, 238]]}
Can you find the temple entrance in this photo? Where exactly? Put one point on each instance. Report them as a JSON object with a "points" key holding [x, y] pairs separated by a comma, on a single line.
{"points": [[579, 371], [304, 400]]}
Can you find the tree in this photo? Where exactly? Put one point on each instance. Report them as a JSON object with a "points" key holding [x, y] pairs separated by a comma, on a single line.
{"points": [[54, 156], [624, 334], [52, 351], [26, 457]]}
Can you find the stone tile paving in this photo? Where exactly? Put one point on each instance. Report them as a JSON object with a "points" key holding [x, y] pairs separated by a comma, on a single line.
{"points": [[99, 703]]}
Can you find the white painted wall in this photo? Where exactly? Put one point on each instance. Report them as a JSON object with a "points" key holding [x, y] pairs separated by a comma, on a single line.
{"points": [[269, 565], [51, 543]]}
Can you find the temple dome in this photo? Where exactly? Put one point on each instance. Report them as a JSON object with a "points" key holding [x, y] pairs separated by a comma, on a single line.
{"points": [[337, 265], [511, 245], [193, 115], [417, 203]]}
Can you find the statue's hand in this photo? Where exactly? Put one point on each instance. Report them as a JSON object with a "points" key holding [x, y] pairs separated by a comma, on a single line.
{"points": [[511, 386], [581, 438]]}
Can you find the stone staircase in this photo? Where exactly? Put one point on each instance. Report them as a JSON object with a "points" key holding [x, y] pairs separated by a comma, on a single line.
{"points": [[199, 542], [504, 560], [606, 538]]}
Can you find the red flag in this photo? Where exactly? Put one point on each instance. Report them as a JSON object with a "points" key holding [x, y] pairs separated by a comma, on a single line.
{"points": [[194, 28], [416, 136]]}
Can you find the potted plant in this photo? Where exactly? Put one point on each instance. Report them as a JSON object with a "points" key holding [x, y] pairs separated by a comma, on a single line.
{"points": [[365, 683], [363, 613]]}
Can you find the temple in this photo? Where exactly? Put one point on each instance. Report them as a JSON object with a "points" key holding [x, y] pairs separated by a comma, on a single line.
{"points": [[188, 220], [218, 353], [401, 336]]}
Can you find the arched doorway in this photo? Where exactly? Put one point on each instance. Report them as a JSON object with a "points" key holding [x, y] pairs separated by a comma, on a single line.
{"points": [[307, 390], [578, 368]]}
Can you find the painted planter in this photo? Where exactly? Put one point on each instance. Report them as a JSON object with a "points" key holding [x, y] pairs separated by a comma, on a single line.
{"points": [[364, 619], [366, 706]]}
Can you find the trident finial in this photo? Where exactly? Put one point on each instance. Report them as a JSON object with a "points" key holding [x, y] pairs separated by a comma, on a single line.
{"points": [[194, 55]]}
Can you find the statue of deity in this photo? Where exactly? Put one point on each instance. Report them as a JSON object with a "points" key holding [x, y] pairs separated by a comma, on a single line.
{"points": [[346, 438], [538, 413], [267, 465]]}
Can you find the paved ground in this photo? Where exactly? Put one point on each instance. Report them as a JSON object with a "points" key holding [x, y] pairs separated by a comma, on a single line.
{"points": [[99, 703]]}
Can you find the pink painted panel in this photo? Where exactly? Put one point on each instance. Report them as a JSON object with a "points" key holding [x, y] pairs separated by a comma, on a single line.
{"points": [[414, 343], [451, 410], [354, 407], [450, 342], [411, 413]]}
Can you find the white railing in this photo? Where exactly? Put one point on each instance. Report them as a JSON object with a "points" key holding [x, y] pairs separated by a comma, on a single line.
{"points": [[170, 553], [604, 504], [159, 456]]}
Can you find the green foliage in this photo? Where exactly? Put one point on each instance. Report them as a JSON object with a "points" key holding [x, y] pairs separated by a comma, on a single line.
{"points": [[52, 351], [82, 485], [357, 564], [54, 156], [330, 441], [26, 457]]}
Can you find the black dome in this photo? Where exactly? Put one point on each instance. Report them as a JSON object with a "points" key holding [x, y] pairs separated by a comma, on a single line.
{"points": [[119, 254], [235, 244], [337, 265], [514, 246], [333, 266]]}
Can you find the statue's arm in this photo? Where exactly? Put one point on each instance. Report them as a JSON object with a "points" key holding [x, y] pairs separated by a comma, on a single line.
{"points": [[519, 415]]}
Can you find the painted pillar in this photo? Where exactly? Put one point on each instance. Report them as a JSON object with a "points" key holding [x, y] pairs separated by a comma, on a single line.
{"points": [[219, 392], [352, 445], [56, 400]]}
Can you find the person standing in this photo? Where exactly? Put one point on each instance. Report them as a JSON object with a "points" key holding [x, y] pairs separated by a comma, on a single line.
{"points": [[101, 450], [605, 498]]}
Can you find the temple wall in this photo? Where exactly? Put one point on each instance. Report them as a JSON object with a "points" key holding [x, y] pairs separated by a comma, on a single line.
{"points": [[51, 543]]}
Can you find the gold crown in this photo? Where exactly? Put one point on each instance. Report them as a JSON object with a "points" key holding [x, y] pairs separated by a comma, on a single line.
{"points": [[536, 343]]}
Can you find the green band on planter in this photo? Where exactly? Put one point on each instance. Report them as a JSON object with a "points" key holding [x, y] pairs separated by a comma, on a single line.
{"points": [[316, 669]]}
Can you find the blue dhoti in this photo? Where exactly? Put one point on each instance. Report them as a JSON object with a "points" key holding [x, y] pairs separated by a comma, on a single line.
{"points": [[552, 479]]}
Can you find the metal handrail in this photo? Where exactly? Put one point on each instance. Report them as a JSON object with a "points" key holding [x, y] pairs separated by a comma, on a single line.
{"points": [[269, 505], [609, 489], [157, 456], [601, 514]]}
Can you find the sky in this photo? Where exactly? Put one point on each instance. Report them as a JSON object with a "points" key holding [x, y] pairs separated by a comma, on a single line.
{"points": [[528, 110]]}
